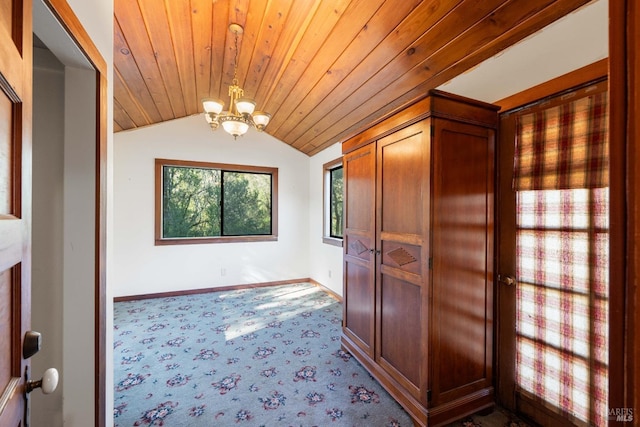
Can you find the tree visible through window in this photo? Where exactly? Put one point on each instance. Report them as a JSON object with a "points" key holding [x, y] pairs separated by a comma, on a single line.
{"points": [[214, 202], [333, 202]]}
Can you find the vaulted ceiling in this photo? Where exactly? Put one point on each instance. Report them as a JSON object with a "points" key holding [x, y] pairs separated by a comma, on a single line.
{"points": [[324, 69]]}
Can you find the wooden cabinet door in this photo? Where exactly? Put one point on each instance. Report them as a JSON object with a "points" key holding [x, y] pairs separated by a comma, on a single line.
{"points": [[462, 251], [359, 247], [402, 241], [15, 204]]}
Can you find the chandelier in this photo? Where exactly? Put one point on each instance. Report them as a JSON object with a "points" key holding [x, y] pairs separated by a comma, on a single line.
{"points": [[241, 114]]}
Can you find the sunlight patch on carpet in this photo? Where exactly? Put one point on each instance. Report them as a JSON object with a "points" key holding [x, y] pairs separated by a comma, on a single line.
{"points": [[253, 357]]}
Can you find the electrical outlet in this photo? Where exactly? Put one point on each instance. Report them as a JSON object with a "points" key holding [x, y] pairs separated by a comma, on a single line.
{"points": [[223, 271], [329, 273]]}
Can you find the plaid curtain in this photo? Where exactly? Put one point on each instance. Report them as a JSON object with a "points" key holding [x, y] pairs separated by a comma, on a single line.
{"points": [[562, 242], [564, 147]]}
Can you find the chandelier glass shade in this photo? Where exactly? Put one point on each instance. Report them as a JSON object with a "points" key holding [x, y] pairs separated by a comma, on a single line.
{"points": [[241, 113]]}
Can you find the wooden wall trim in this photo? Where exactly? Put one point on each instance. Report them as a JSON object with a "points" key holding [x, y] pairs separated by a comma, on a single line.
{"points": [[589, 73], [623, 315], [225, 289], [633, 180], [327, 290], [70, 22]]}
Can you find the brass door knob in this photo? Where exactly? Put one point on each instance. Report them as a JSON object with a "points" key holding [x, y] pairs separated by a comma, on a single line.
{"points": [[507, 280]]}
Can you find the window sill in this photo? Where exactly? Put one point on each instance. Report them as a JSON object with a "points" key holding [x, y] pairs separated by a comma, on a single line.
{"points": [[225, 239], [332, 241]]}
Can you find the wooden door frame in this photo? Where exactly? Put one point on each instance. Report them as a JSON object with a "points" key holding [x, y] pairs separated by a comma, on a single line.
{"points": [[624, 97], [69, 21], [580, 82], [624, 78]]}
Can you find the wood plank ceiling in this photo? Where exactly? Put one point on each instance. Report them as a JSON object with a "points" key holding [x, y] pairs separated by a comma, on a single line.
{"points": [[324, 69]]}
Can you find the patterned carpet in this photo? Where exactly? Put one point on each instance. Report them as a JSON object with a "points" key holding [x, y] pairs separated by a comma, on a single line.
{"points": [[253, 357]]}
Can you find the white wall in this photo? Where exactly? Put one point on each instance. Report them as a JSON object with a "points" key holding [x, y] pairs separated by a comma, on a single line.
{"points": [[96, 17], [325, 261], [79, 244], [63, 291], [142, 268], [574, 41], [64, 166], [47, 247]]}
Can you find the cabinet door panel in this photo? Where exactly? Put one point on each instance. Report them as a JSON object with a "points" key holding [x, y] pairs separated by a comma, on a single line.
{"points": [[401, 332], [402, 166], [360, 189], [402, 199], [359, 305], [359, 248], [462, 248]]}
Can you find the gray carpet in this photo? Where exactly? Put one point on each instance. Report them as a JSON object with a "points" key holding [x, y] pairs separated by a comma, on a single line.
{"points": [[265, 356], [253, 357]]}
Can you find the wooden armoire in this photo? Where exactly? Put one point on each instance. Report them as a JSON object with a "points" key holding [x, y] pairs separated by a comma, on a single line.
{"points": [[418, 255]]}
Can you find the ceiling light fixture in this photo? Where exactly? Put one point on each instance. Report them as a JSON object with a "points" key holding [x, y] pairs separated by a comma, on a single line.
{"points": [[241, 114]]}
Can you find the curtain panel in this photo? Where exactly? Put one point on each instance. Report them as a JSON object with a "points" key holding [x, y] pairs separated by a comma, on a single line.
{"points": [[563, 147], [561, 179]]}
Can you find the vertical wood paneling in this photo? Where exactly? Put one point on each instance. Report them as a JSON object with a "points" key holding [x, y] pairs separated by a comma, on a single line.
{"points": [[128, 101], [517, 25], [441, 53], [405, 48], [121, 119], [507, 38], [346, 29], [201, 18], [219, 34], [271, 28], [127, 78], [324, 69], [137, 38], [157, 24], [298, 21], [324, 19], [251, 36], [179, 16], [380, 26], [238, 14]]}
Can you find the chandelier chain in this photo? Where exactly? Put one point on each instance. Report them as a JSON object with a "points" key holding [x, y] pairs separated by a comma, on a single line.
{"points": [[235, 61]]}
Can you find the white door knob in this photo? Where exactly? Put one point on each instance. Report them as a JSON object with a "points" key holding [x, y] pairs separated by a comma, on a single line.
{"points": [[48, 383]]}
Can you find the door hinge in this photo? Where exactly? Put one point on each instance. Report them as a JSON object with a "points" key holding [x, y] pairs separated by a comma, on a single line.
{"points": [[430, 263]]}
